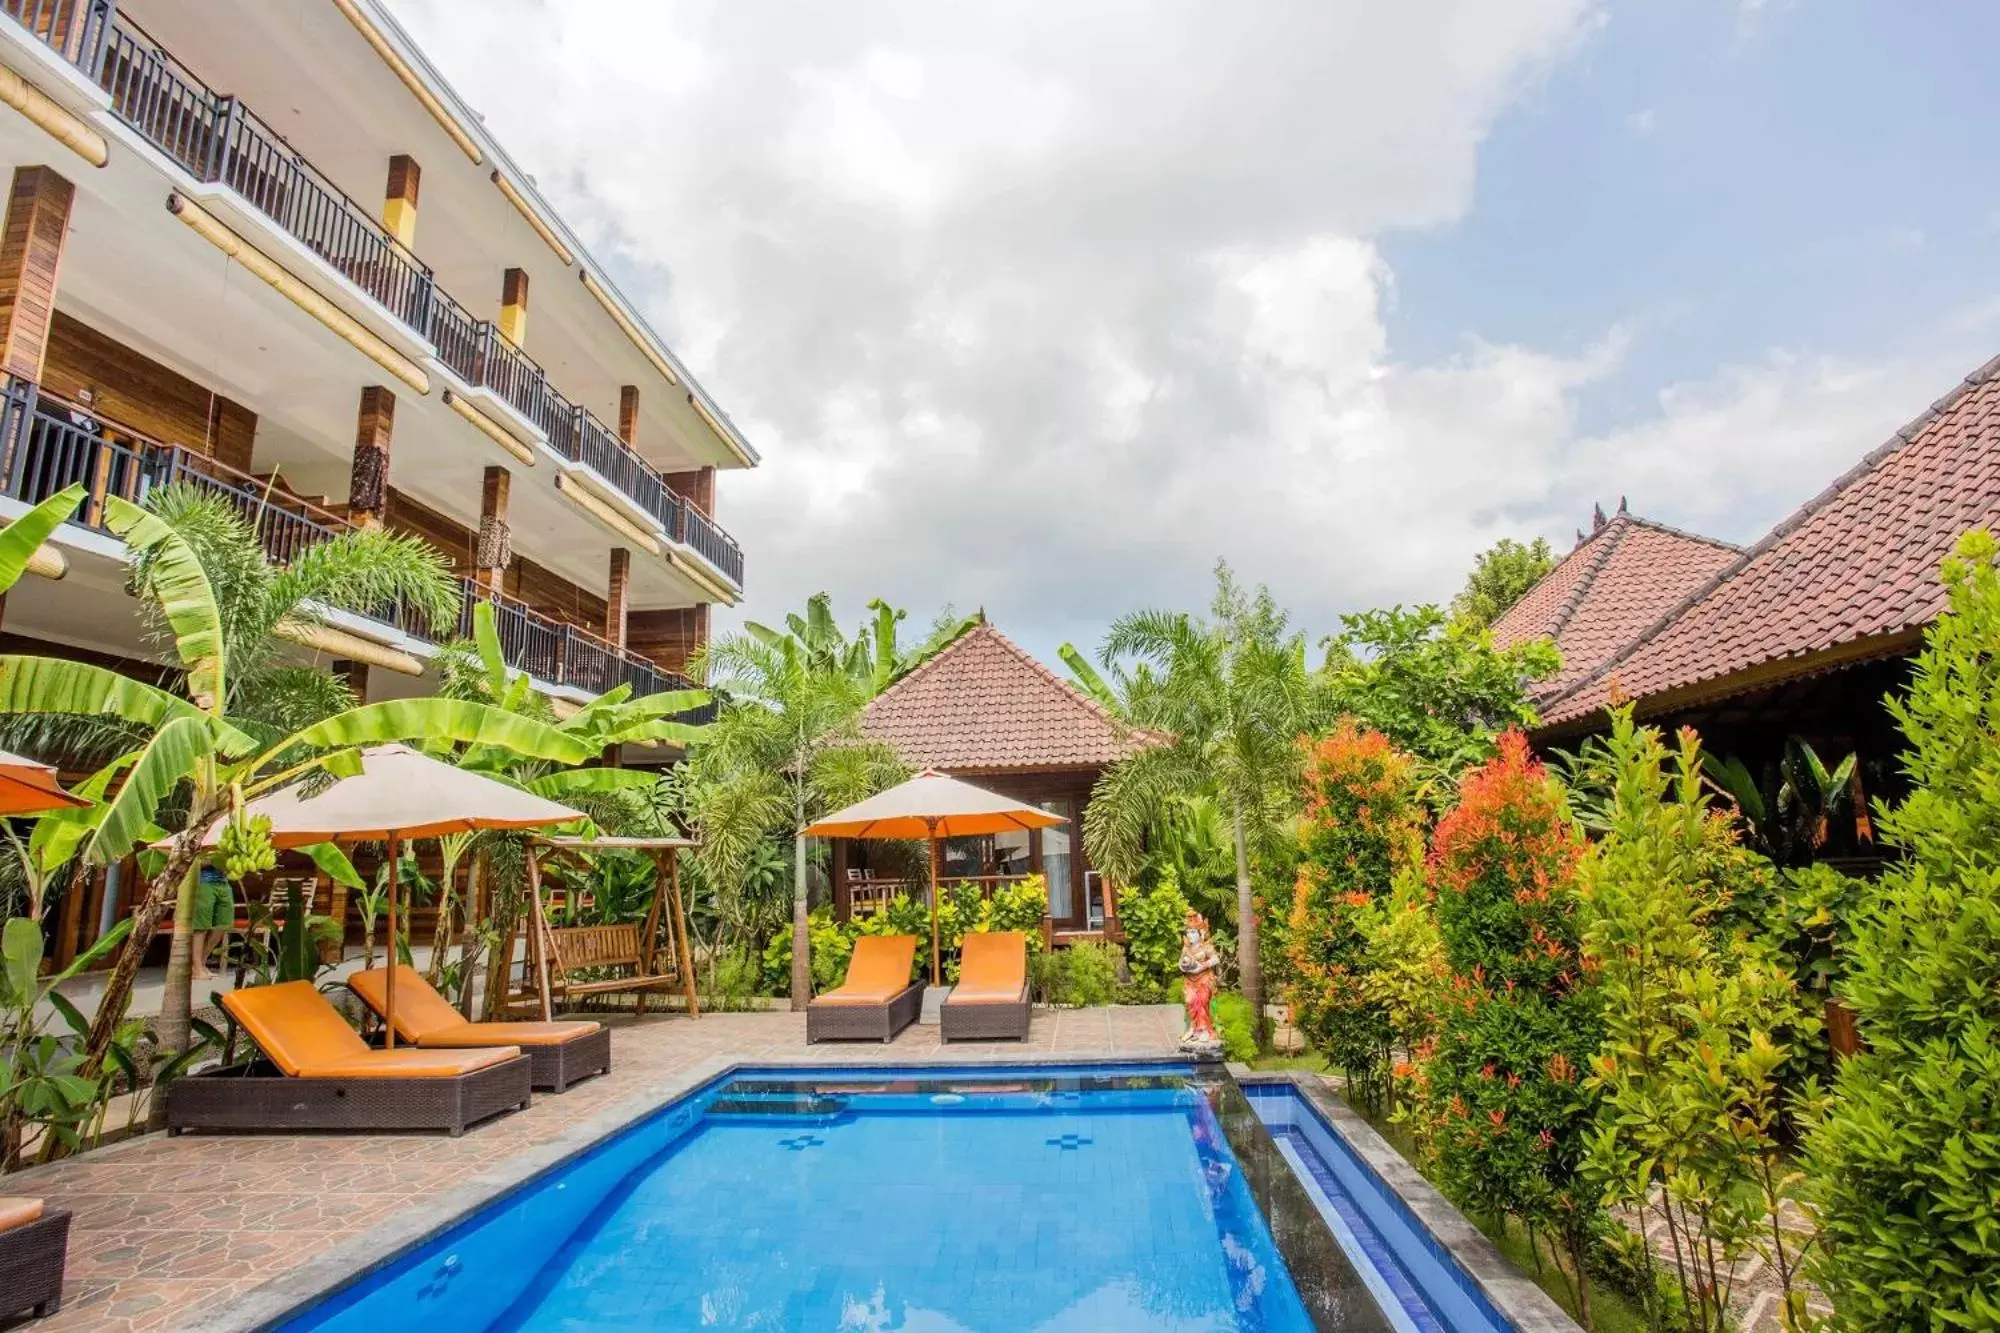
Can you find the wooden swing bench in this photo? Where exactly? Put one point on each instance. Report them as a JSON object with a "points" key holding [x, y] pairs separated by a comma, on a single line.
{"points": [[591, 950]]}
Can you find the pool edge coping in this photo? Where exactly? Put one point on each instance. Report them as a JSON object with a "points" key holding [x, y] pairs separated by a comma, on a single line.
{"points": [[1510, 1291], [326, 1274]]}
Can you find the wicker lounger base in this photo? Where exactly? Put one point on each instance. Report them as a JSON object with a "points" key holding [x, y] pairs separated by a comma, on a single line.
{"points": [[864, 1022], [984, 1020], [258, 1097], [31, 1265], [559, 1064]]}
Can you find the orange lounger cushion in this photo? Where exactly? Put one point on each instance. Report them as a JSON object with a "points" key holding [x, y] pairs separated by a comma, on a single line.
{"points": [[18, 1212], [992, 966], [495, 1034], [412, 1062], [878, 972], [305, 1036], [427, 1019]]}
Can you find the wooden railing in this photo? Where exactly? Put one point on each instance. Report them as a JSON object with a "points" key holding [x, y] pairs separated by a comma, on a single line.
{"points": [[216, 138]]}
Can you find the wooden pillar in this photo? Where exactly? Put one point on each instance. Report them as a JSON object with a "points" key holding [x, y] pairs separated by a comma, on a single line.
{"points": [[356, 676], [31, 251], [399, 203], [368, 483], [696, 487], [494, 547], [628, 415], [514, 306], [615, 600]]}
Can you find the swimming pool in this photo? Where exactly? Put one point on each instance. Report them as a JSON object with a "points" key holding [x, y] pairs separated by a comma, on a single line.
{"points": [[1092, 1198]]}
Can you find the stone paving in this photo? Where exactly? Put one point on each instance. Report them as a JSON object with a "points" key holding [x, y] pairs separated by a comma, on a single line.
{"points": [[168, 1229]]}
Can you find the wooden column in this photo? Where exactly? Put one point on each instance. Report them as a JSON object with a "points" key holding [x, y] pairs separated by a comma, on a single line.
{"points": [[31, 251], [514, 306], [697, 487], [368, 483], [355, 674], [494, 546], [399, 203], [628, 415], [615, 595]]}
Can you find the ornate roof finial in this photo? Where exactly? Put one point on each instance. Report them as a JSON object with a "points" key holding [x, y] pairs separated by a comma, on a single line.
{"points": [[1597, 519], [1621, 506]]}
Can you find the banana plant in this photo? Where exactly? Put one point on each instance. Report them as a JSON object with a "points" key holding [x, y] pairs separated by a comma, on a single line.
{"points": [[1790, 817], [195, 746]]}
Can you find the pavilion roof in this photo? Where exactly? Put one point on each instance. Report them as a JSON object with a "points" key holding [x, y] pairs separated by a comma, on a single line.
{"points": [[984, 705], [1851, 575], [1610, 590]]}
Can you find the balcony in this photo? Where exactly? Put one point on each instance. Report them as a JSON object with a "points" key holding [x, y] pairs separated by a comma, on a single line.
{"points": [[217, 139], [49, 445]]}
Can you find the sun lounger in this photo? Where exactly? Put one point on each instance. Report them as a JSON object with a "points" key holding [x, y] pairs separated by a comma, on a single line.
{"points": [[877, 1000], [34, 1241], [990, 1000], [561, 1053], [326, 1077]]}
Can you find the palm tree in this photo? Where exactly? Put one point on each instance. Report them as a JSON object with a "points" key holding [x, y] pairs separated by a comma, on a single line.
{"points": [[195, 746], [785, 749], [1231, 695]]}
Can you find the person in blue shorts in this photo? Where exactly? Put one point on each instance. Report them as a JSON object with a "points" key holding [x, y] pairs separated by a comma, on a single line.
{"points": [[214, 914]]}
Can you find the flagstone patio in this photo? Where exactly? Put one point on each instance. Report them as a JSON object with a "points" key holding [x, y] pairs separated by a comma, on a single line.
{"points": [[167, 1230]]}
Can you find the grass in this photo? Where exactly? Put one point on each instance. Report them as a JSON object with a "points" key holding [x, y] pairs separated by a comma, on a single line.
{"points": [[1307, 1062]]}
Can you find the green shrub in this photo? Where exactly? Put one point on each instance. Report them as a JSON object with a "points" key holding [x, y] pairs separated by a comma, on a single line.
{"points": [[738, 975], [1232, 1022], [1017, 907], [1153, 920], [1905, 1165], [1081, 977], [832, 945]]}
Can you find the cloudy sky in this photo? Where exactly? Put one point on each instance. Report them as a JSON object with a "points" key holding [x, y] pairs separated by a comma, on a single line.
{"points": [[1043, 306]]}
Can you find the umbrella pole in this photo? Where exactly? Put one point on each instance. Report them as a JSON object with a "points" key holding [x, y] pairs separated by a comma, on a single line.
{"points": [[389, 1016], [936, 971]]}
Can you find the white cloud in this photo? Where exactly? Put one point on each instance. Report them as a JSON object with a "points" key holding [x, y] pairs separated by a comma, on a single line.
{"points": [[1643, 121], [1043, 307]]}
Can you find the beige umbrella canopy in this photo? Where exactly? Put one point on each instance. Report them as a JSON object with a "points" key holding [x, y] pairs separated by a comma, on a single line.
{"points": [[398, 794], [932, 806], [29, 788]]}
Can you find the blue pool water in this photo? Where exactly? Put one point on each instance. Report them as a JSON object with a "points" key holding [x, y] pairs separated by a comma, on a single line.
{"points": [[932, 1201]]}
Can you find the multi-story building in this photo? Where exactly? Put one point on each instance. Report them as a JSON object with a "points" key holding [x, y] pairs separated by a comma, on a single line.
{"points": [[263, 248]]}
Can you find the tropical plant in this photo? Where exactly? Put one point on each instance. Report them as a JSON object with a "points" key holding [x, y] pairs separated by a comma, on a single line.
{"points": [[1699, 1023], [1437, 688], [197, 750], [1233, 697], [1905, 1167], [1154, 921], [1362, 823], [1501, 575], [1790, 818], [785, 749], [1502, 1083]]}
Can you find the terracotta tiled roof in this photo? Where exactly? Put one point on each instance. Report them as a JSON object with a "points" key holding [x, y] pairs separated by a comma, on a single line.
{"points": [[1852, 574], [983, 704], [1608, 591]]}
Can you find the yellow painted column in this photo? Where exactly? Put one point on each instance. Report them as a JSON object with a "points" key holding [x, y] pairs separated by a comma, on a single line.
{"points": [[514, 307], [399, 203]]}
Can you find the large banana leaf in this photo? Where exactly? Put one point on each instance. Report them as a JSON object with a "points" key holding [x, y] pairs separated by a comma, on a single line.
{"points": [[52, 685], [25, 535], [335, 864], [417, 720], [573, 782], [177, 582], [175, 752]]}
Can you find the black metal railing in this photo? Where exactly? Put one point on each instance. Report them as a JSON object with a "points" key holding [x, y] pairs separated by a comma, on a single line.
{"points": [[75, 29], [712, 544], [216, 138], [47, 445]]}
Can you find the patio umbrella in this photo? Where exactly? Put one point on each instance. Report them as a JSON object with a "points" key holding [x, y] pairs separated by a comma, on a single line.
{"points": [[29, 788], [932, 806], [398, 794]]}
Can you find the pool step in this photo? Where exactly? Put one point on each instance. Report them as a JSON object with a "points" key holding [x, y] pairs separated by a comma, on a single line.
{"points": [[791, 1108]]}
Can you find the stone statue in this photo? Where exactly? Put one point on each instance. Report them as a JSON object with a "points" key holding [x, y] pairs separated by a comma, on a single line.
{"points": [[1199, 961]]}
